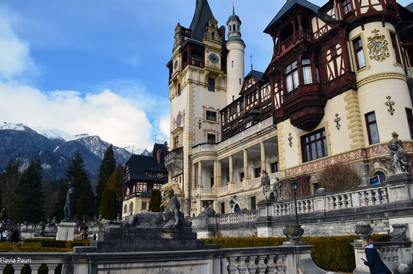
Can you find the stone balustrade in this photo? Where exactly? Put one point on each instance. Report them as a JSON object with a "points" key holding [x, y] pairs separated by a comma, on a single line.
{"points": [[286, 259], [34, 260]]}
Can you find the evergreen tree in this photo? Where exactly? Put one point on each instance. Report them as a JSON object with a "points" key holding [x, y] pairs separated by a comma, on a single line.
{"points": [[106, 169], [83, 198], [8, 184], [155, 202], [49, 190], [61, 199], [111, 202], [29, 197]]}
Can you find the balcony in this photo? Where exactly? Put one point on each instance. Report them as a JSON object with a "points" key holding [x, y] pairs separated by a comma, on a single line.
{"points": [[292, 40], [174, 162], [305, 106]]}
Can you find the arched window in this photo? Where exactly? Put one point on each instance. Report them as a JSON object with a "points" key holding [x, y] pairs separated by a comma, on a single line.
{"points": [[125, 209], [236, 208], [131, 207]]}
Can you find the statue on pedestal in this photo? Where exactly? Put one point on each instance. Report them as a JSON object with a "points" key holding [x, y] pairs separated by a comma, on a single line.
{"points": [[68, 210], [398, 155], [265, 182]]}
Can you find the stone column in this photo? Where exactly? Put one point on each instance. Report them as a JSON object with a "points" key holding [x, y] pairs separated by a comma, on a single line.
{"points": [[193, 177], [263, 165], [246, 177], [200, 184], [231, 176], [217, 174]]}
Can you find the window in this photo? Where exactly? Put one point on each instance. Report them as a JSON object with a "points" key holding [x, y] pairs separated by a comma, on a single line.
{"points": [[274, 167], [395, 48], [141, 187], [211, 115], [211, 84], [176, 142], [372, 129], [291, 76], [211, 138], [241, 176], [381, 175], [307, 75], [222, 208], [410, 121], [314, 145], [232, 63], [125, 209], [131, 207], [347, 7], [143, 206], [257, 172], [359, 52], [316, 186], [253, 203], [179, 90]]}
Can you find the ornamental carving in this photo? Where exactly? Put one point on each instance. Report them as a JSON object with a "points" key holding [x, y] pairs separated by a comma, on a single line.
{"points": [[378, 46]]}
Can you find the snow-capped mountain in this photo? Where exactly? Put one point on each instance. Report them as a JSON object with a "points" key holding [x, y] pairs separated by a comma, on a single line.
{"points": [[24, 144]]}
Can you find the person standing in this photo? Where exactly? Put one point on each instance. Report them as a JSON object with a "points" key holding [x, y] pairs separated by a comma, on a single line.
{"points": [[374, 262]]}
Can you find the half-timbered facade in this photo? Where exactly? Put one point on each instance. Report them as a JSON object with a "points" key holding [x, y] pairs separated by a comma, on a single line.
{"points": [[143, 173], [336, 87]]}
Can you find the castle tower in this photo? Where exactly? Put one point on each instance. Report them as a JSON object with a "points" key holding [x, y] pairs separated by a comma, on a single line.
{"points": [[197, 83], [235, 58]]}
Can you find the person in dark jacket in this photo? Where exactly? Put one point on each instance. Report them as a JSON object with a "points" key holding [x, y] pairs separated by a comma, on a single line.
{"points": [[374, 261]]}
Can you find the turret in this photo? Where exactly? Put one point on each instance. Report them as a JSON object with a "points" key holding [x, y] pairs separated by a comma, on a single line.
{"points": [[235, 58]]}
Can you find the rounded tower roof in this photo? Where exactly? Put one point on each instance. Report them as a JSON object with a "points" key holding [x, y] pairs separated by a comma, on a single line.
{"points": [[233, 17]]}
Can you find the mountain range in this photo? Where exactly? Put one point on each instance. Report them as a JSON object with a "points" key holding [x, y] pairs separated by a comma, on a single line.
{"points": [[54, 149]]}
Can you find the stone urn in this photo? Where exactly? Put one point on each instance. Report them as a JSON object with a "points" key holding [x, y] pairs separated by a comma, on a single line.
{"points": [[293, 233], [363, 231]]}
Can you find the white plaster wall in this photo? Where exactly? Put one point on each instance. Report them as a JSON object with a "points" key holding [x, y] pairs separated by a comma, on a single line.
{"points": [[234, 73]]}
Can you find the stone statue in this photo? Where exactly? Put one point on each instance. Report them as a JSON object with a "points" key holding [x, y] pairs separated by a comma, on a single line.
{"points": [[172, 215], [265, 182], [278, 191], [209, 211], [398, 155], [68, 210]]}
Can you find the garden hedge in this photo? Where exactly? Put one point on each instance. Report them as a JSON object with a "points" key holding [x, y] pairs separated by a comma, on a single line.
{"points": [[333, 253]]}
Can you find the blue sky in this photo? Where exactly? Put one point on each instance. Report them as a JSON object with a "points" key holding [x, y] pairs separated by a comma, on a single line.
{"points": [[98, 66]]}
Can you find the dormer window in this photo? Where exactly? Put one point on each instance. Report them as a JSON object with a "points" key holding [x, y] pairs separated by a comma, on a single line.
{"points": [[347, 7], [291, 76]]}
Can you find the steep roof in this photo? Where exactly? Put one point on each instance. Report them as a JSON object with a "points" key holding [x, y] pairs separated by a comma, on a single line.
{"points": [[256, 74], [291, 3], [140, 164], [410, 7], [201, 18]]}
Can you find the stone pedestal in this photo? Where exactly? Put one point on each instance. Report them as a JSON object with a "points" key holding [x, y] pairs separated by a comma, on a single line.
{"points": [[66, 231]]}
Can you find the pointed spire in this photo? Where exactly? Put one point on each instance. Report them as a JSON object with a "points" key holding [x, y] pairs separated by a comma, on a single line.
{"points": [[201, 18], [233, 9]]}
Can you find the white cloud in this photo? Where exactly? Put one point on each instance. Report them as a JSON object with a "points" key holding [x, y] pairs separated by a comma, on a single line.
{"points": [[15, 54], [164, 125], [105, 114]]}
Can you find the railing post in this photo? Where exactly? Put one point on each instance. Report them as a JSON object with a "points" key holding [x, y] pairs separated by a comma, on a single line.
{"points": [[35, 268], [51, 268]]}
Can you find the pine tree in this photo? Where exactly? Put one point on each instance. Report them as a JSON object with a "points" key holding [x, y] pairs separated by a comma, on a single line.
{"points": [[155, 202], [111, 202], [83, 198], [29, 197], [8, 184], [61, 199], [106, 169]]}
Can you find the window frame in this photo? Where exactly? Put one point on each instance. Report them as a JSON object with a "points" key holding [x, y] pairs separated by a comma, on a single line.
{"points": [[291, 70], [308, 140], [356, 50], [347, 12], [215, 138], [211, 84], [176, 141], [213, 113], [368, 124], [307, 66], [396, 47]]}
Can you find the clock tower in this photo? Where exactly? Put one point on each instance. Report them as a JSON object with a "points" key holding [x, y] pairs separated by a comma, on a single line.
{"points": [[197, 91]]}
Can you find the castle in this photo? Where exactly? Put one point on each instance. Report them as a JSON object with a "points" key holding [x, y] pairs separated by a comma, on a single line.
{"points": [[338, 84]]}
